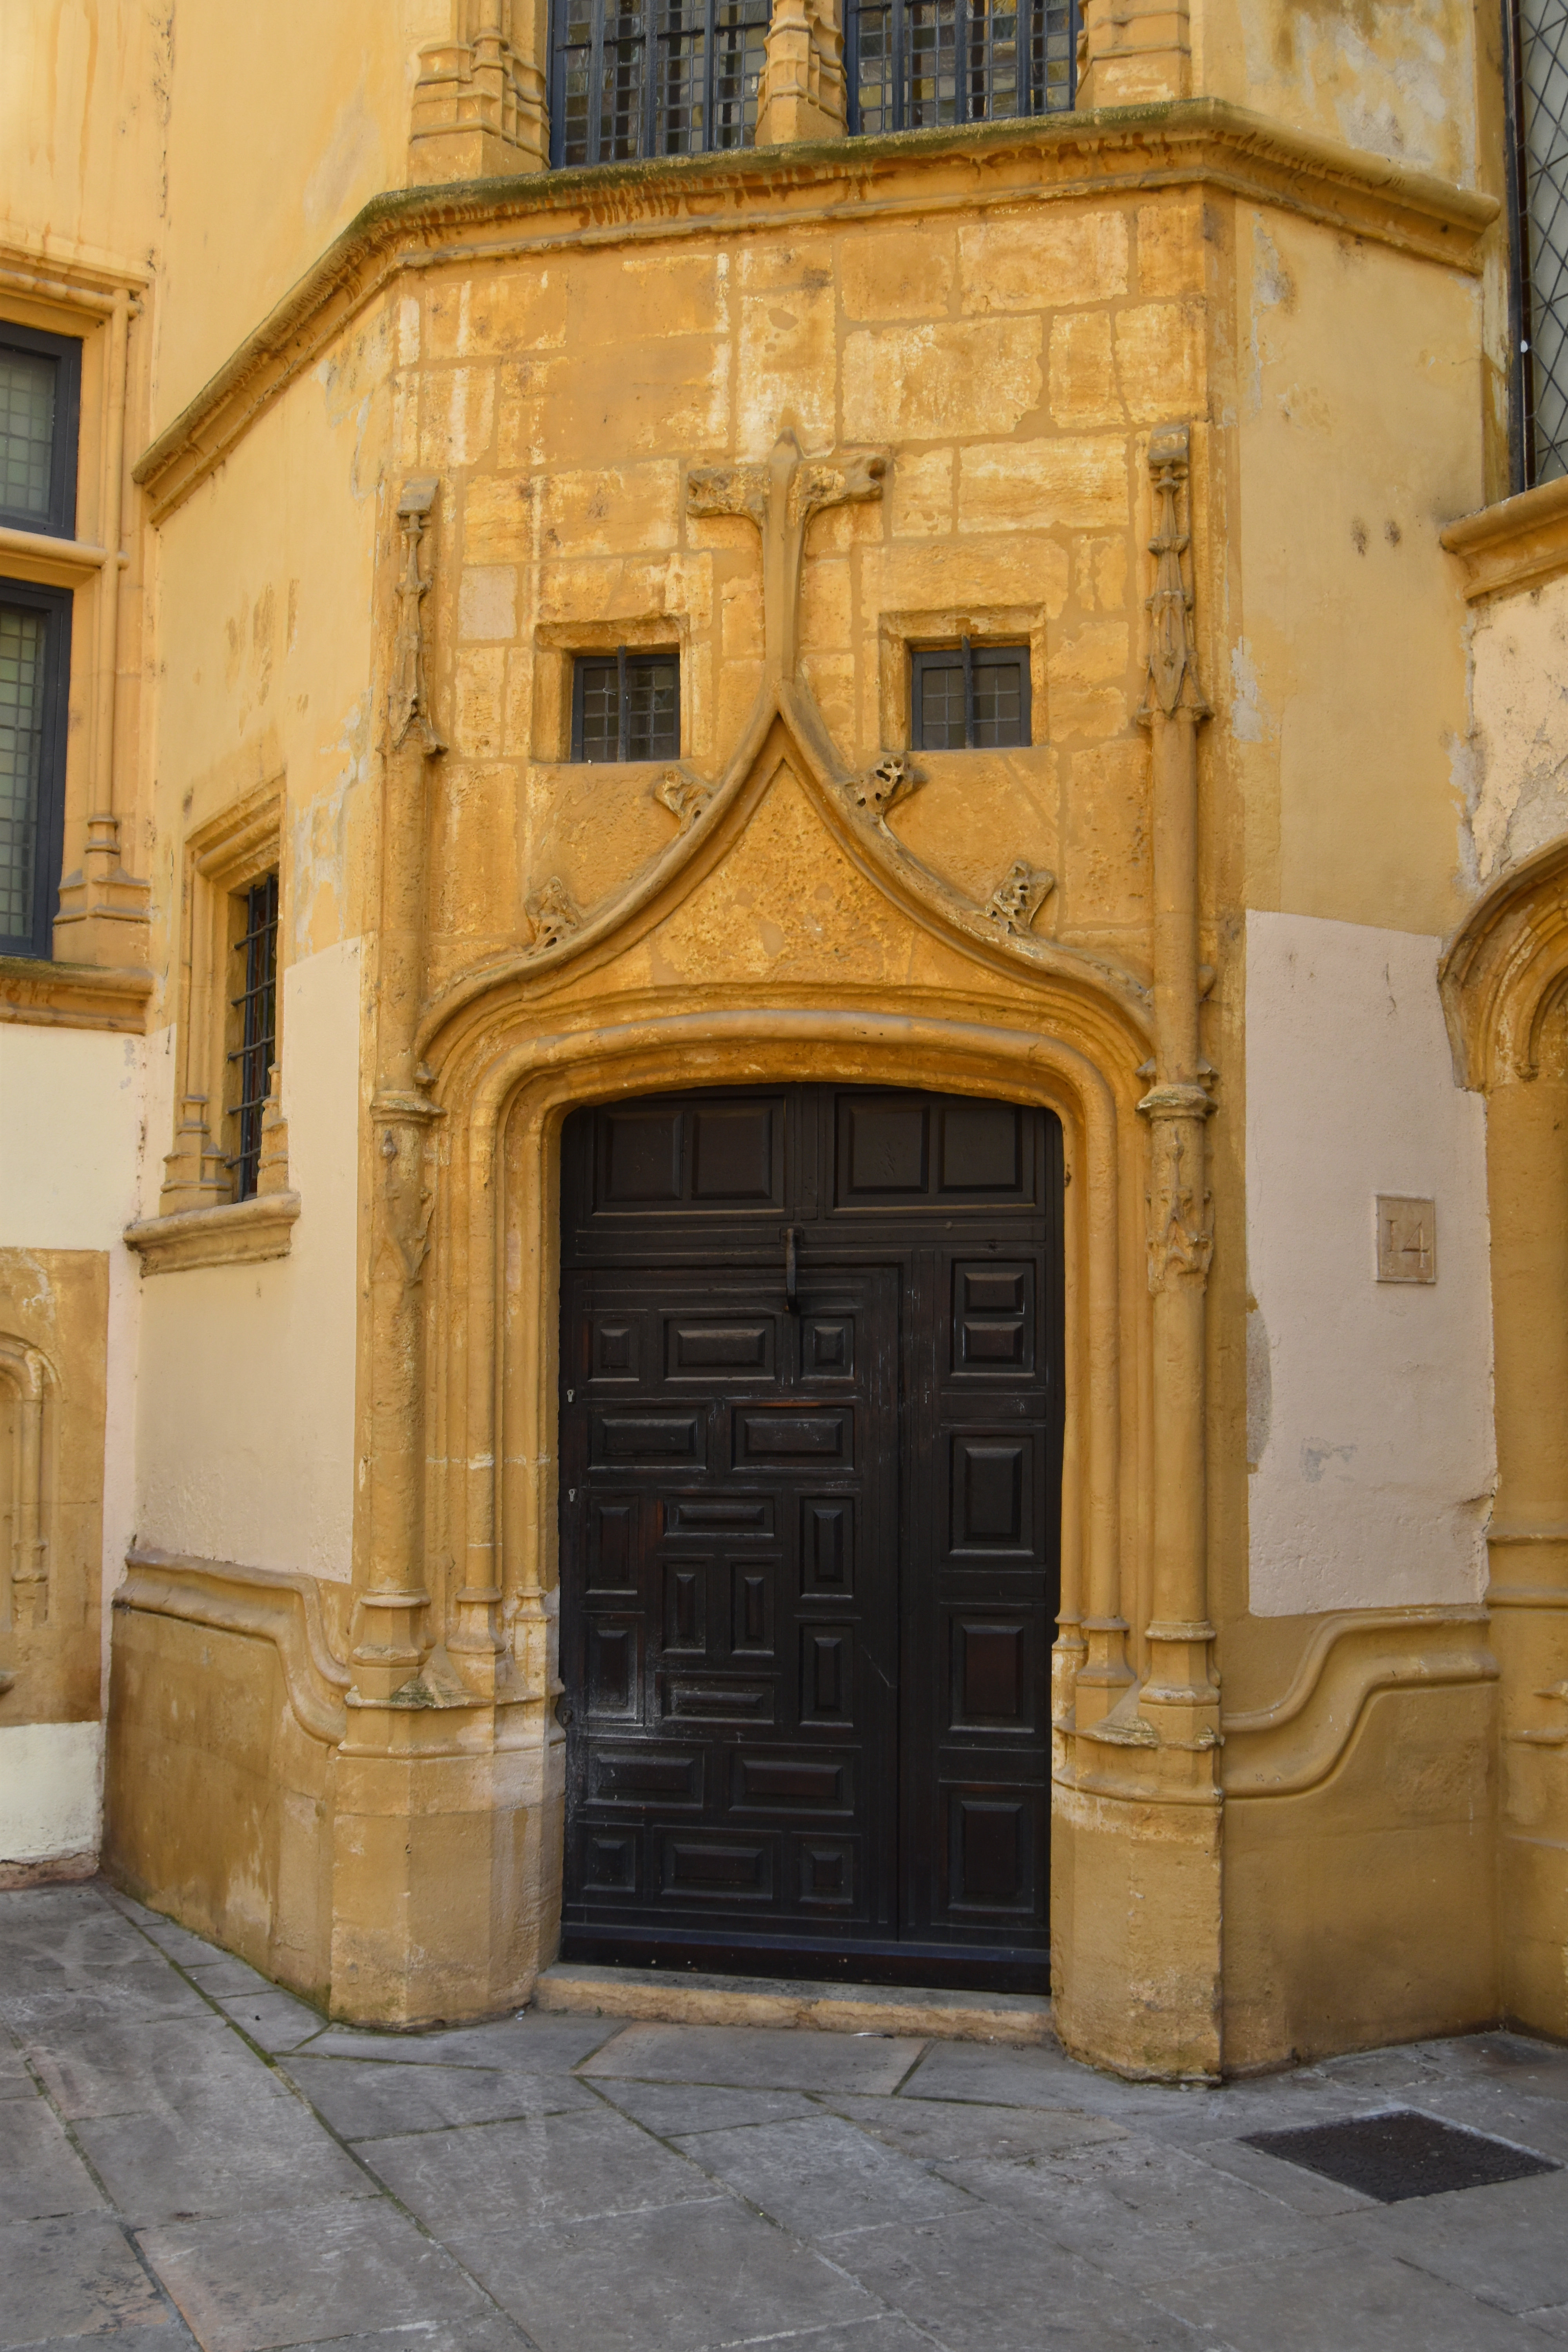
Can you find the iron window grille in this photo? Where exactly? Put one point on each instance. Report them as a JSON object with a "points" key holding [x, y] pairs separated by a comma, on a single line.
{"points": [[40, 401], [35, 684], [626, 705], [1537, 85], [255, 1010], [913, 64], [654, 78], [970, 697]]}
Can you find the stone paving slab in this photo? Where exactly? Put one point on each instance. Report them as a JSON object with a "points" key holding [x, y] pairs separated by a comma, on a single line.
{"points": [[678, 2278], [562, 2168], [270, 2279], [66, 2279], [193, 2157], [363, 2100], [747, 2056], [40, 2172]]}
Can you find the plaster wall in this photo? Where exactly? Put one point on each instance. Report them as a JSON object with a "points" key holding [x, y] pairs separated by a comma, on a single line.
{"points": [[52, 1790], [1346, 695], [72, 1105], [1370, 1406], [1395, 77], [1519, 667], [246, 1439]]}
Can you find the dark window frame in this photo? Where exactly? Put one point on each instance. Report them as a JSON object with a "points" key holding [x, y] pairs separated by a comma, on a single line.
{"points": [[49, 844], [655, 39], [986, 654], [900, 75], [1538, 276], [256, 1007], [625, 659], [66, 351]]}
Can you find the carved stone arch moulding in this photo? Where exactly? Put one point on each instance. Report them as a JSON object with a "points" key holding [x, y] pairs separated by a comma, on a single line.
{"points": [[1505, 970], [29, 1400], [506, 1088]]}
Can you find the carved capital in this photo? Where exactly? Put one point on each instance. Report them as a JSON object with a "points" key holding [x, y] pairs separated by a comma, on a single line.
{"points": [[408, 703]]}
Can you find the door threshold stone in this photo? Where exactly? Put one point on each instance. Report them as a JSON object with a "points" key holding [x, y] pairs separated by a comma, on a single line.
{"points": [[662, 1996]]}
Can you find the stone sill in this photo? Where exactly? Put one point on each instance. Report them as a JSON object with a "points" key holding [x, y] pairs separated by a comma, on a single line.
{"points": [[676, 1996], [1519, 543], [74, 995], [236, 1233]]}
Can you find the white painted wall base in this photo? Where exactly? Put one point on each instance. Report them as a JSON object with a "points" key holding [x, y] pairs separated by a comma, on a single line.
{"points": [[52, 1790], [1369, 1404]]}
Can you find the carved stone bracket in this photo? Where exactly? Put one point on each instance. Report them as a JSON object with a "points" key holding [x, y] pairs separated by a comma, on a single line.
{"points": [[552, 914], [408, 702], [1019, 895]]}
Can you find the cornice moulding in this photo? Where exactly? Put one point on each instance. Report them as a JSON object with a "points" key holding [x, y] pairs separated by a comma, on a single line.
{"points": [[235, 1232], [49, 995], [1518, 543], [1190, 141]]}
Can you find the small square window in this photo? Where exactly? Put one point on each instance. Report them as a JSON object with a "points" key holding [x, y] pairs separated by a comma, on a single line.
{"points": [[253, 1025], [35, 672], [970, 697], [626, 705], [40, 384]]}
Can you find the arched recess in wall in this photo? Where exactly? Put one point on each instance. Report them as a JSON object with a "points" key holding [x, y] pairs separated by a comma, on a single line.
{"points": [[29, 1394]]}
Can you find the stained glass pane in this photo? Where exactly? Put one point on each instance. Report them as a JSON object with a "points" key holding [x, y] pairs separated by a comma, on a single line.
{"points": [[920, 63], [657, 77]]}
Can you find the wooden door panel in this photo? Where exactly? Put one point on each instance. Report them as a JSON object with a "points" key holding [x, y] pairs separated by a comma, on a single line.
{"points": [[809, 1543], [727, 1653]]}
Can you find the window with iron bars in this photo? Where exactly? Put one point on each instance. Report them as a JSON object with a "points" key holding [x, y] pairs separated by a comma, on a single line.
{"points": [[969, 698], [253, 1027], [626, 705], [654, 78], [913, 64], [1538, 100]]}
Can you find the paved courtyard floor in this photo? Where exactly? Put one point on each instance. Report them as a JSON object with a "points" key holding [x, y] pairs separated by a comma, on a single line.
{"points": [[188, 2155]]}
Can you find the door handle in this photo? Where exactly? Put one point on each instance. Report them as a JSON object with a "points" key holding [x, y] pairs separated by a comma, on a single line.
{"points": [[792, 1268]]}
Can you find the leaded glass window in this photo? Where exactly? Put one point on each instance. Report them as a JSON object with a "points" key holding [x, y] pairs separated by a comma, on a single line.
{"points": [[40, 379], [253, 1008], [1539, 94], [626, 705], [35, 649], [654, 78], [970, 697], [914, 64]]}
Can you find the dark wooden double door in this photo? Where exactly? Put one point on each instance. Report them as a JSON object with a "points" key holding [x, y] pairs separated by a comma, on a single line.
{"points": [[810, 1477]]}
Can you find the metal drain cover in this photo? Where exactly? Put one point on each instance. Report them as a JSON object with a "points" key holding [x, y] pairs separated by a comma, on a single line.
{"points": [[1400, 2154]]}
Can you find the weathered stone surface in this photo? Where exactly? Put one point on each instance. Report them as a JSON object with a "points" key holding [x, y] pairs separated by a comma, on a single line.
{"points": [[746, 2056]]}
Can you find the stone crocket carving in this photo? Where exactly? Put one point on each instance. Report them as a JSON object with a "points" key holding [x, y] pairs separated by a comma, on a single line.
{"points": [[552, 914], [780, 496], [1019, 895]]}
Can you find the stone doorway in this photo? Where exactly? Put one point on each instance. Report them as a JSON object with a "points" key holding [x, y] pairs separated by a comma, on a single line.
{"points": [[811, 1417]]}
